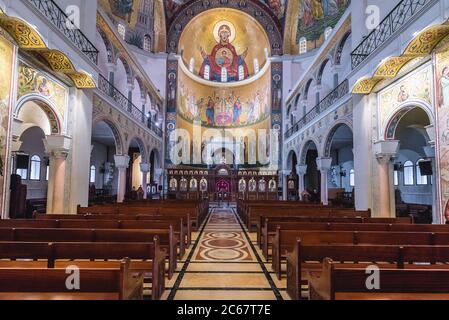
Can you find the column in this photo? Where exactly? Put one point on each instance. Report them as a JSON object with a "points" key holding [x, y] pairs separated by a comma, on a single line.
{"points": [[57, 148], [385, 152], [144, 168], [130, 88], [301, 170], [112, 68], [324, 165], [285, 175], [122, 164]]}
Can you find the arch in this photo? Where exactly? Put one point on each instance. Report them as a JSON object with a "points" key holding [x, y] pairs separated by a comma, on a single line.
{"points": [[108, 45], [307, 88], [297, 101], [396, 116], [128, 70], [156, 154], [340, 47], [306, 148], [54, 118], [115, 133], [262, 13], [330, 136], [321, 70], [292, 157], [141, 146]]}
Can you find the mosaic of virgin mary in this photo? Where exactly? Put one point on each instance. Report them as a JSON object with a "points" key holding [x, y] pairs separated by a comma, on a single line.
{"points": [[224, 56]]}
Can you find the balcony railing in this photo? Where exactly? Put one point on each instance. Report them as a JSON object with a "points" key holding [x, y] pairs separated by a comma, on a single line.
{"points": [[126, 105], [396, 19], [61, 21], [338, 93]]}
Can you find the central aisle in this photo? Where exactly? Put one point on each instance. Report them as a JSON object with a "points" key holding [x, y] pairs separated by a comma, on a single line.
{"points": [[224, 264]]}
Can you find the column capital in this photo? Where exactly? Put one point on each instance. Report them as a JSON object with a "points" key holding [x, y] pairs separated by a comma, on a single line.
{"points": [[431, 133], [112, 67], [385, 151], [130, 86], [57, 145], [301, 170], [286, 173], [430, 151], [122, 161], [145, 167], [324, 164]]}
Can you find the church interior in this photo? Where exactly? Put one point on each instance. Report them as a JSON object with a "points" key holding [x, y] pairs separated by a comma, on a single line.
{"points": [[224, 150]]}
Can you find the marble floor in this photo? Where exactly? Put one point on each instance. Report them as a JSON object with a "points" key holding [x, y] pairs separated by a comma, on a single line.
{"points": [[224, 263]]}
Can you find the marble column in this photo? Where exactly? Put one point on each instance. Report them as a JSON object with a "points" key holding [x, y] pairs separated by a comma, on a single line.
{"points": [[144, 168], [324, 165], [385, 152], [57, 148], [285, 175], [122, 164], [301, 170]]}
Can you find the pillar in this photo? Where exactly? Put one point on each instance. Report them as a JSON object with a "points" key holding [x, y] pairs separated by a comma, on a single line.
{"points": [[122, 164], [57, 148], [385, 152], [144, 168], [285, 175], [324, 165], [301, 170]]}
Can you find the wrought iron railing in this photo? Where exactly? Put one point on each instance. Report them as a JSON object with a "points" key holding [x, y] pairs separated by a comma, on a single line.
{"points": [[61, 21], [339, 92], [126, 105], [396, 19]]}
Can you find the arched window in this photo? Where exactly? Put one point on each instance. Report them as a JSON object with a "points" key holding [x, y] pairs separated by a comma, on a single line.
{"points": [[241, 73], [302, 45], [147, 43], [256, 66], [327, 32], [420, 179], [224, 75], [207, 72], [409, 176], [192, 65], [121, 30], [35, 168], [93, 174], [352, 178]]}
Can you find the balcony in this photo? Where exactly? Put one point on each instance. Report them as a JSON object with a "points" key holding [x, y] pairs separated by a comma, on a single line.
{"points": [[339, 92], [126, 105], [61, 21], [403, 13]]}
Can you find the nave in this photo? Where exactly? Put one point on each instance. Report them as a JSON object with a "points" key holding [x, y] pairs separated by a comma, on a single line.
{"points": [[224, 264]]}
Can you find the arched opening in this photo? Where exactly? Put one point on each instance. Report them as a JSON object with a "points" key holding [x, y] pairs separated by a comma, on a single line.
{"points": [[121, 76], [292, 183], [134, 175], [312, 177], [413, 169], [35, 120], [105, 145], [341, 179], [326, 78], [309, 96], [343, 57]]}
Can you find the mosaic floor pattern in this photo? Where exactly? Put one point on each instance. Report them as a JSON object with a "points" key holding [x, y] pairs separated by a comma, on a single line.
{"points": [[224, 264]]}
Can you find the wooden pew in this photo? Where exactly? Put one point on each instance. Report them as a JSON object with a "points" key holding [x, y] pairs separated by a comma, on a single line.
{"points": [[268, 225], [285, 240], [167, 239], [307, 258], [177, 224], [340, 283], [50, 284], [147, 258]]}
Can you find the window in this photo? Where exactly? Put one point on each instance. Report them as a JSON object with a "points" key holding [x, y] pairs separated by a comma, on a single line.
{"points": [[327, 32], [302, 45], [241, 73], [192, 65], [409, 177], [93, 173], [147, 43], [35, 168], [23, 173], [256, 66], [396, 178], [207, 72], [224, 75], [47, 174], [420, 179], [121, 30], [352, 178]]}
